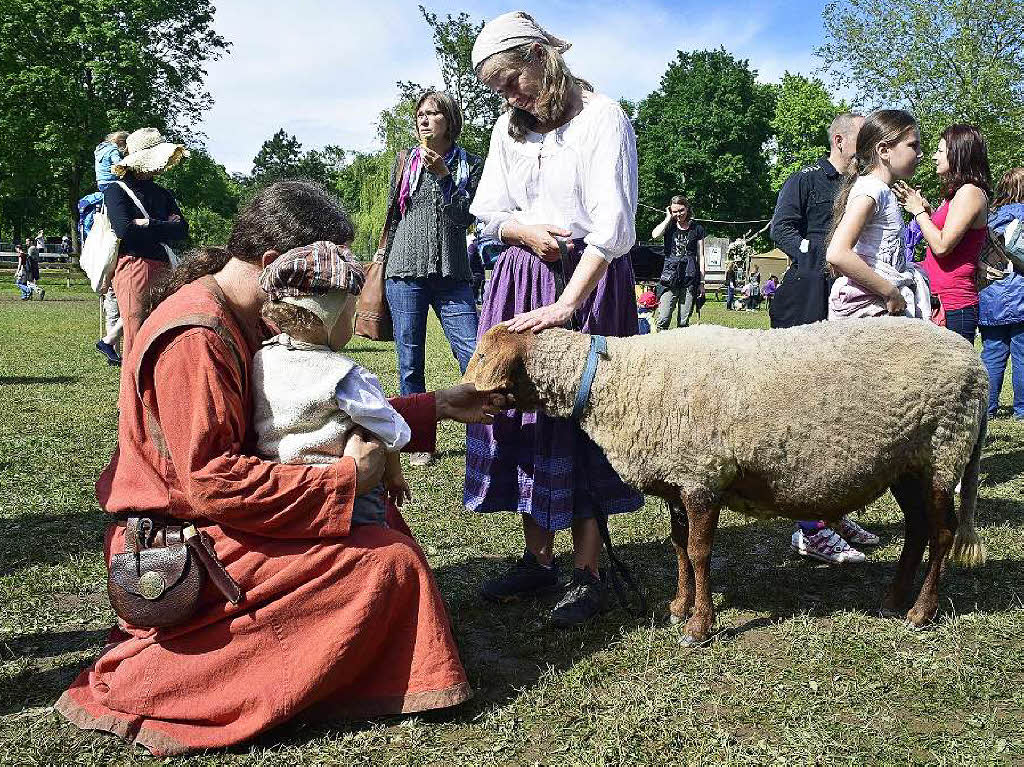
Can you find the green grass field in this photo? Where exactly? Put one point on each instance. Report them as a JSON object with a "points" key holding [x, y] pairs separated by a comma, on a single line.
{"points": [[802, 671]]}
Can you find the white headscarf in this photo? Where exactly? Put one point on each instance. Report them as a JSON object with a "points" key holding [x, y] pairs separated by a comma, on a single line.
{"points": [[510, 30]]}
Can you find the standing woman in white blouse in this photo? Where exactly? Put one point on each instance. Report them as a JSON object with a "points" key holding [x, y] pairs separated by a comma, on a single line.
{"points": [[562, 164]]}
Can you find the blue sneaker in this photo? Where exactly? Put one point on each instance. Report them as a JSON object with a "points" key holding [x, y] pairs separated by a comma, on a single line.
{"points": [[113, 358]]}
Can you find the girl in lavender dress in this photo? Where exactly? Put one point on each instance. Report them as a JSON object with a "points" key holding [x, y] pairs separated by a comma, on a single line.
{"points": [[562, 165]]}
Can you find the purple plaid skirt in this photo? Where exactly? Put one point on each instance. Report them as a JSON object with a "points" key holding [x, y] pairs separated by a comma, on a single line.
{"points": [[529, 462]]}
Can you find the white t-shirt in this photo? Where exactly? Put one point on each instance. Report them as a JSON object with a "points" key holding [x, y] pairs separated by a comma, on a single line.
{"points": [[581, 176], [880, 238]]}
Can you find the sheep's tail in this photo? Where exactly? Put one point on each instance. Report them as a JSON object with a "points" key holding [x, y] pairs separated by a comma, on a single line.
{"points": [[968, 550]]}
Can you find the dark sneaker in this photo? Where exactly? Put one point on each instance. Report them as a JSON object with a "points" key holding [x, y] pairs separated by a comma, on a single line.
{"points": [[586, 596], [526, 579], [42, 293], [113, 358]]}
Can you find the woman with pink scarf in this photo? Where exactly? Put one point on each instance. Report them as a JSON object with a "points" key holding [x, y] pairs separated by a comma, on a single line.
{"points": [[427, 262]]}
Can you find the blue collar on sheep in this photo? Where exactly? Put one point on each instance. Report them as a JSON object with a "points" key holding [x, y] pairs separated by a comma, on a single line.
{"points": [[598, 346]]}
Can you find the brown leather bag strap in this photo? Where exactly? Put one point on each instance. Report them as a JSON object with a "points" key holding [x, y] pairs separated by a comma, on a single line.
{"points": [[400, 160], [200, 544]]}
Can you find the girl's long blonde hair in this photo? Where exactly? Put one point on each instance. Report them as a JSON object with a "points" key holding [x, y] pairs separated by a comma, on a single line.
{"points": [[557, 82], [884, 126]]}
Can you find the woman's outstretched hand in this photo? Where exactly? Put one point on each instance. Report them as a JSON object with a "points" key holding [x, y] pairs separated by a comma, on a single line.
{"points": [[463, 403], [554, 315]]}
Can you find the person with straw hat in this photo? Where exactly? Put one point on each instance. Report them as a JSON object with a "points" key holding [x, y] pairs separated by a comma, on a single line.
{"points": [[146, 218], [559, 188]]}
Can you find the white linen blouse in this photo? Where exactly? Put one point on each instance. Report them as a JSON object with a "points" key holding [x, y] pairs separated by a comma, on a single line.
{"points": [[580, 176]]}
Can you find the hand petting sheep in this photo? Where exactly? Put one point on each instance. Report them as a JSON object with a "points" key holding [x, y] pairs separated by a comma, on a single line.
{"points": [[858, 408]]}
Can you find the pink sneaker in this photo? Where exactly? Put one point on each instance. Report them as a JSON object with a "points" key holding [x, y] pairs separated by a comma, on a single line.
{"points": [[855, 534], [825, 546]]}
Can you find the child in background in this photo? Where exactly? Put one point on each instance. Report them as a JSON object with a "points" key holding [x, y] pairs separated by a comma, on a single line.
{"points": [[864, 245], [308, 397], [107, 154], [645, 307], [769, 290]]}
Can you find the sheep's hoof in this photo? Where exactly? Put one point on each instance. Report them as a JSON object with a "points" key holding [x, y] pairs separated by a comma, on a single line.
{"points": [[691, 641], [919, 618]]}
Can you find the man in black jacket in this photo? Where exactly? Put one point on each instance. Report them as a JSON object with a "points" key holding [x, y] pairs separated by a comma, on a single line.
{"points": [[800, 225]]}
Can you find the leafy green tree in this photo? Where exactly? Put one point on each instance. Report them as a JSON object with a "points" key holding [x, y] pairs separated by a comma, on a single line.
{"points": [[803, 112], [208, 196], [703, 133], [200, 181], [72, 72], [950, 62]]}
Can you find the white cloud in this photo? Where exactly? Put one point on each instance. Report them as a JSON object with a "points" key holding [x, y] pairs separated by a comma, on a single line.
{"points": [[324, 71]]}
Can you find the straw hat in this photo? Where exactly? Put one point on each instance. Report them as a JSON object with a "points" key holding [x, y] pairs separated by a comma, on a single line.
{"points": [[148, 152]]}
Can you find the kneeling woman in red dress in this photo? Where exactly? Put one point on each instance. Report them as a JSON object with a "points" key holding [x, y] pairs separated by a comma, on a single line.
{"points": [[337, 619]]}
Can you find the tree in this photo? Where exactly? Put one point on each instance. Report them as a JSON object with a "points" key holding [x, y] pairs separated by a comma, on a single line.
{"points": [[281, 157], [208, 196], [703, 133], [957, 61], [72, 72], [803, 111]]}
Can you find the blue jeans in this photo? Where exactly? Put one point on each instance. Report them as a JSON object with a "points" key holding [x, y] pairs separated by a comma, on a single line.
{"points": [[1000, 343], [26, 292], [455, 306], [730, 294], [963, 321]]}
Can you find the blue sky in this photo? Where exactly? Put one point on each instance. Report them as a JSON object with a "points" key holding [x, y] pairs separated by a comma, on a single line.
{"points": [[324, 70]]}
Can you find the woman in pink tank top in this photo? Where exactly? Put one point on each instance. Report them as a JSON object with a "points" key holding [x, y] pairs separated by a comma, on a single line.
{"points": [[956, 232]]}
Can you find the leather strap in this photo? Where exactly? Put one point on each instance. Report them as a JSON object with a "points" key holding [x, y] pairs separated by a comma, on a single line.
{"points": [[598, 348], [200, 545], [382, 244]]}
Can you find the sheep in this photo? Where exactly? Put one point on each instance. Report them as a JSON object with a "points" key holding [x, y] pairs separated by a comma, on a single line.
{"points": [[855, 408]]}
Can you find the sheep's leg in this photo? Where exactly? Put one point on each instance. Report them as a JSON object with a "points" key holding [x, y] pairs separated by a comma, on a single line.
{"points": [[681, 607], [911, 495], [941, 526], [703, 519]]}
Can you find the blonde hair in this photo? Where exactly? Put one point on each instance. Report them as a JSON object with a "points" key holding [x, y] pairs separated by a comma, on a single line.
{"points": [[288, 317], [1011, 188], [118, 137], [557, 82]]}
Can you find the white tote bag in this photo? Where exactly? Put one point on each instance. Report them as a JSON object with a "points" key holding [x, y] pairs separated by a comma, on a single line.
{"points": [[99, 253]]}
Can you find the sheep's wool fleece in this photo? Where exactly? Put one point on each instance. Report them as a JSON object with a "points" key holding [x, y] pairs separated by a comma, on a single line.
{"points": [[822, 414], [295, 413]]}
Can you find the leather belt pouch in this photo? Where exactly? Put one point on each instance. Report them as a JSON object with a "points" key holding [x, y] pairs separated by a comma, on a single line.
{"points": [[158, 579]]}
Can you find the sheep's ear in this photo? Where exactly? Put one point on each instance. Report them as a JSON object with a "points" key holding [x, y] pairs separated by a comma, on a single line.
{"points": [[498, 358]]}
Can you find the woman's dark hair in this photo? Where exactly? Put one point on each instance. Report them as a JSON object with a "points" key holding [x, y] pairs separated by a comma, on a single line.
{"points": [[449, 109], [884, 126], [967, 154], [283, 216]]}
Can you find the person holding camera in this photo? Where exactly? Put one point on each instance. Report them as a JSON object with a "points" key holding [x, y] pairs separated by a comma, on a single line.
{"points": [[684, 262]]}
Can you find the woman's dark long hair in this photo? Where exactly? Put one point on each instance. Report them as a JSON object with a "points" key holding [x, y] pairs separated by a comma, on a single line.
{"points": [[283, 216], [884, 126], [967, 154]]}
